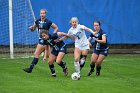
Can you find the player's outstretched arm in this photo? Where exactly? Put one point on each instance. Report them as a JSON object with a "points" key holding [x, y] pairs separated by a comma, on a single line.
{"points": [[89, 30], [63, 34]]}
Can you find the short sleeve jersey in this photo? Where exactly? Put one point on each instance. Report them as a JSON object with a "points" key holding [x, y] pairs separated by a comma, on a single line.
{"points": [[79, 34], [43, 24]]}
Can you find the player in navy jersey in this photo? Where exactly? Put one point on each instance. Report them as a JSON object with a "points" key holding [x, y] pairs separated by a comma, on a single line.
{"points": [[41, 24], [100, 48], [58, 50]]}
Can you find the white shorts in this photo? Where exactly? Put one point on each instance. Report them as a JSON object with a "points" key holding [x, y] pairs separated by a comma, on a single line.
{"points": [[82, 47]]}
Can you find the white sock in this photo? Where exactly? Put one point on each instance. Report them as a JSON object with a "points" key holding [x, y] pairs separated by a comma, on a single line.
{"points": [[77, 67], [82, 61]]}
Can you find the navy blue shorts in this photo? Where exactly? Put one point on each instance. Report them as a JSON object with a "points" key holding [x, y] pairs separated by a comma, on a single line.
{"points": [[55, 52], [43, 42], [103, 52]]}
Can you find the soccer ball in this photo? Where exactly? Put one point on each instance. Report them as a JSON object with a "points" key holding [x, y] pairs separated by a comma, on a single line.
{"points": [[75, 76]]}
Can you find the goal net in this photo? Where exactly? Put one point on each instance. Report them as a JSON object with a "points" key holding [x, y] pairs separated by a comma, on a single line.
{"points": [[16, 40]]}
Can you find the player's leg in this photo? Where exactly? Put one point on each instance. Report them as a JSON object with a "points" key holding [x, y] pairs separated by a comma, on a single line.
{"points": [[61, 63], [100, 59], [98, 64], [94, 58], [51, 60], [83, 55], [77, 53], [40, 48], [83, 58], [46, 53]]}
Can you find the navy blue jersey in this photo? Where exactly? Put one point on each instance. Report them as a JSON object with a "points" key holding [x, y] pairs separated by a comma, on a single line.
{"points": [[56, 45], [97, 45], [43, 24]]}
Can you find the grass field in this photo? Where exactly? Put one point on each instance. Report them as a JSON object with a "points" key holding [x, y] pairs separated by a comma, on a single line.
{"points": [[120, 74]]}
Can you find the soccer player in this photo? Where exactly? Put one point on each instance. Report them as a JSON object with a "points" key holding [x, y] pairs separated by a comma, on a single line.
{"points": [[77, 32], [41, 24], [58, 50], [100, 48]]}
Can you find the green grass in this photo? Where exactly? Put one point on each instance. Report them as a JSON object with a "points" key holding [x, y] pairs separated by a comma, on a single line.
{"points": [[120, 74]]}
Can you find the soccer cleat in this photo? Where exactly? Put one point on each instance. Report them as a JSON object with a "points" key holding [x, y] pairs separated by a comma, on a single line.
{"points": [[65, 70], [90, 72], [27, 70], [54, 75], [98, 73]]}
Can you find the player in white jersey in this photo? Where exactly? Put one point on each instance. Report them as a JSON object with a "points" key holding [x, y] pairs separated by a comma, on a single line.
{"points": [[77, 32]]}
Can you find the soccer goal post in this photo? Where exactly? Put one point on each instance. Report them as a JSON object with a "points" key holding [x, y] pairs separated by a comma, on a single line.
{"points": [[11, 29], [16, 40]]}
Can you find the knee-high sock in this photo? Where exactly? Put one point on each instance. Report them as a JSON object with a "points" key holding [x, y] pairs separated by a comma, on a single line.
{"points": [[92, 65], [61, 64], [98, 68], [34, 62], [77, 67], [52, 68]]}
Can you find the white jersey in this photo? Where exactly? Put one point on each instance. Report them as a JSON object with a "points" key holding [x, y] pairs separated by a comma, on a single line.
{"points": [[79, 34]]}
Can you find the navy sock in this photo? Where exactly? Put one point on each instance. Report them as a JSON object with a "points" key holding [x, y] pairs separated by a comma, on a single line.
{"points": [[61, 64], [34, 62], [92, 66], [52, 68], [98, 68]]}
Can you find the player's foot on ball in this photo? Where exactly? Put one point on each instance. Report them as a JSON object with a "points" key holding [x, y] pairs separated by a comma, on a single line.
{"points": [[90, 72], [27, 70], [54, 75]]}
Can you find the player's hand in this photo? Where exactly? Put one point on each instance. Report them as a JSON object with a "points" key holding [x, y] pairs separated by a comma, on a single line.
{"points": [[31, 28], [44, 60]]}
